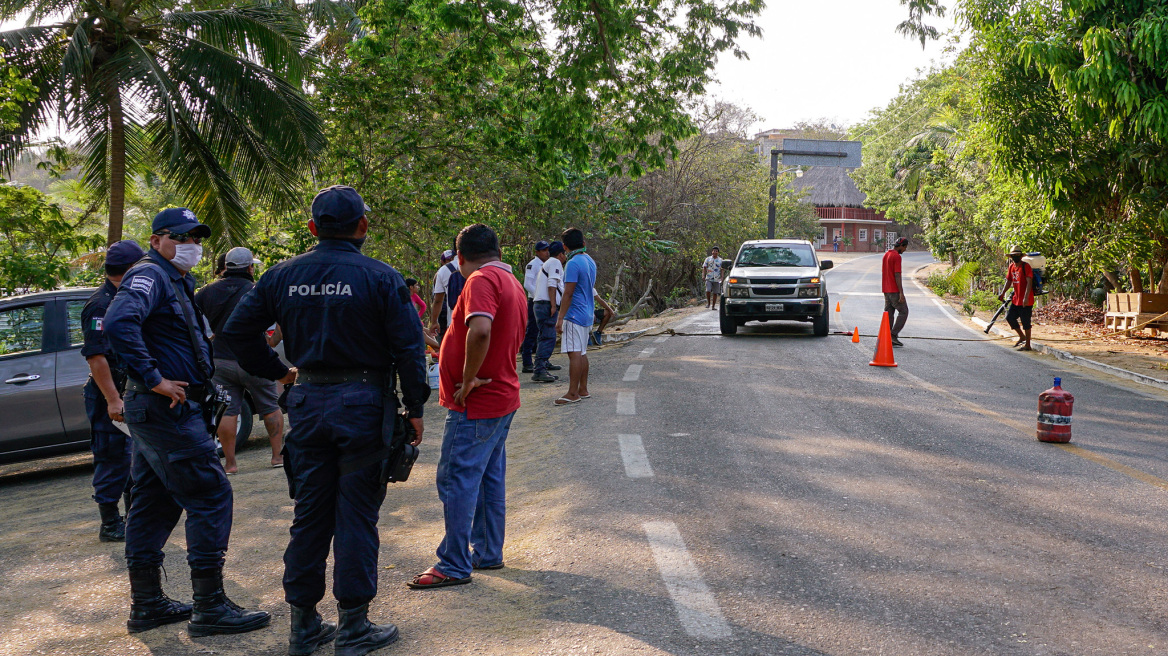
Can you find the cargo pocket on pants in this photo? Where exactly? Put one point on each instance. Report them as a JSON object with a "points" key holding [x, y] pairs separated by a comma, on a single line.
{"points": [[195, 475]]}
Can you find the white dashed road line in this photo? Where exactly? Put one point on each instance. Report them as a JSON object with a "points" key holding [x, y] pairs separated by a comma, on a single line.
{"points": [[633, 453], [634, 373], [646, 352], [696, 607], [661, 339], [626, 403]]}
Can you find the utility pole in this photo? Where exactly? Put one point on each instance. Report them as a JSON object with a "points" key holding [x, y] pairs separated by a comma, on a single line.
{"points": [[774, 190]]}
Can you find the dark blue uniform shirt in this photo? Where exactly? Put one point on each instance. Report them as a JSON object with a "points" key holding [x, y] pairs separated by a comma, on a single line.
{"points": [[338, 309], [93, 327], [146, 326]]}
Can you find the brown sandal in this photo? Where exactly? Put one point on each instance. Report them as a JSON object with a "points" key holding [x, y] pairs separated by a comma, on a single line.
{"points": [[432, 578]]}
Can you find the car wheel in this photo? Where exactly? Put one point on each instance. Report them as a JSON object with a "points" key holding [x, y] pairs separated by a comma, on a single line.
{"points": [[726, 324], [821, 322], [244, 425]]}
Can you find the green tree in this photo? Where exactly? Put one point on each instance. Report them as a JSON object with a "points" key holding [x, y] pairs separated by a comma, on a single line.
{"points": [[209, 97], [36, 241]]}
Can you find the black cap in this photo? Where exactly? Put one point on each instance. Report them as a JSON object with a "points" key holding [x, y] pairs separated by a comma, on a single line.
{"points": [[179, 220], [556, 248], [541, 245], [123, 253], [337, 206]]}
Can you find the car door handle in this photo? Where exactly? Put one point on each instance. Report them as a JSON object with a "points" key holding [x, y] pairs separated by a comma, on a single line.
{"points": [[27, 378]]}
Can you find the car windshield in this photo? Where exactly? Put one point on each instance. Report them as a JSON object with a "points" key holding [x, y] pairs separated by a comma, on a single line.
{"points": [[787, 255]]}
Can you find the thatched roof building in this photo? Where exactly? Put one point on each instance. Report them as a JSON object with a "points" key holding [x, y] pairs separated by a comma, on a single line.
{"points": [[844, 221]]}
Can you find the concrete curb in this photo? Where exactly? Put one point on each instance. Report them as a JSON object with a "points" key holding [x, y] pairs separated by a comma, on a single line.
{"points": [[1080, 360]]}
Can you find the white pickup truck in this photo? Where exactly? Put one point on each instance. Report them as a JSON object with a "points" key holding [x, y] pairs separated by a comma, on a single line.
{"points": [[775, 279]]}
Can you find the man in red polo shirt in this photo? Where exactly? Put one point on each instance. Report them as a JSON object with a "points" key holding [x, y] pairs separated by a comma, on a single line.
{"points": [[479, 386], [892, 284]]}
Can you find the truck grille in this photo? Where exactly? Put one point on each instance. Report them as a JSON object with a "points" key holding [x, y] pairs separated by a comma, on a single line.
{"points": [[773, 291], [774, 281]]}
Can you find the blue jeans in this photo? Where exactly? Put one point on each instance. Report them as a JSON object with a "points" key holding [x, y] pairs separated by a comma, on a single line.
{"points": [[332, 423], [531, 337], [547, 335], [174, 469], [471, 484]]}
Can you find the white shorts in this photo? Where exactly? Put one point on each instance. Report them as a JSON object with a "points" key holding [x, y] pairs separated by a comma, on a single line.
{"points": [[574, 339]]}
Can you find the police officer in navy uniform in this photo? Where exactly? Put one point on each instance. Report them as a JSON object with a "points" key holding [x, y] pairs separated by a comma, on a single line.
{"points": [[103, 400], [175, 467], [348, 326]]}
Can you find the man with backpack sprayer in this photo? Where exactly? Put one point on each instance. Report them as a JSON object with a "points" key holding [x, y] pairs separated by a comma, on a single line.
{"points": [[1020, 277]]}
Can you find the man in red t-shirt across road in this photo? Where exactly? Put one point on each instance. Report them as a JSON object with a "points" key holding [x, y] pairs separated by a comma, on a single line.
{"points": [[1020, 276], [895, 301], [479, 386]]}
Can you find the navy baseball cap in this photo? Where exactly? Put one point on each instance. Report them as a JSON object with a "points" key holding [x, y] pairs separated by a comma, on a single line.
{"points": [[541, 245], [338, 206], [123, 253], [556, 248], [179, 220]]}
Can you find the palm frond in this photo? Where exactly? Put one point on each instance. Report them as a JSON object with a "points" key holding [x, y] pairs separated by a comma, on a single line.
{"points": [[35, 54], [273, 34]]}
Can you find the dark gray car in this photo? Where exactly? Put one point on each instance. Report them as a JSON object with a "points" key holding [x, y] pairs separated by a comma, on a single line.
{"points": [[42, 373]]}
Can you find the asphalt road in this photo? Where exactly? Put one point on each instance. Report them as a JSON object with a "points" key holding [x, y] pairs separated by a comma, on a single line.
{"points": [[767, 493]]}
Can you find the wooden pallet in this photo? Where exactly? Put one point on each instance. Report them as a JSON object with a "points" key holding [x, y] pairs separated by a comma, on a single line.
{"points": [[1125, 311]]}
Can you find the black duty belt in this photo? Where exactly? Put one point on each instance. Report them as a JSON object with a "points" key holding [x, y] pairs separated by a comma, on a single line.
{"points": [[195, 393], [337, 376]]}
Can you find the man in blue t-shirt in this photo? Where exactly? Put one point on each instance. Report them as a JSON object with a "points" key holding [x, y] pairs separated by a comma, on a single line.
{"points": [[576, 315]]}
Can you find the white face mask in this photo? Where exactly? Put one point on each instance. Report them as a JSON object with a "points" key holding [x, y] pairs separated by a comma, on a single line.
{"points": [[186, 256]]}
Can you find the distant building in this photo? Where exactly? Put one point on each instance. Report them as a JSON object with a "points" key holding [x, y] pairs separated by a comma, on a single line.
{"points": [[840, 206], [767, 140]]}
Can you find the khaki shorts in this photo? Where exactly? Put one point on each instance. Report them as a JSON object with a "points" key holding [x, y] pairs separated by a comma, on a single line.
{"points": [[264, 393]]}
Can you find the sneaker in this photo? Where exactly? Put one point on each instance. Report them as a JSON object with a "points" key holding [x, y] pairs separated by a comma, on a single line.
{"points": [[544, 377], [896, 343], [528, 370], [554, 367]]}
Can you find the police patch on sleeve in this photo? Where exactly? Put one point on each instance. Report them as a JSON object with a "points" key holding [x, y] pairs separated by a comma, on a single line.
{"points": [[142, 284]]}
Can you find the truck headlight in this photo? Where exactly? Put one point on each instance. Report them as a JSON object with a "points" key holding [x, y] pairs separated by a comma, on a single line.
{"points": [[739, 292], [808, 292]]}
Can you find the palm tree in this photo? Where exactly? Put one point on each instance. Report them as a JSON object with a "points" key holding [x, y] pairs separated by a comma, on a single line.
{"points": [[210, 98]]}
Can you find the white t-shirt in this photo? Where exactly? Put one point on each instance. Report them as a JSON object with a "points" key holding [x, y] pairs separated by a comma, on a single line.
{"points": [[530, 274], [551, 274], [441, 279]]}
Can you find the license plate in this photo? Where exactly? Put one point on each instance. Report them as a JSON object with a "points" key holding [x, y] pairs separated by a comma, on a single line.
{"points": [[774, 307]]}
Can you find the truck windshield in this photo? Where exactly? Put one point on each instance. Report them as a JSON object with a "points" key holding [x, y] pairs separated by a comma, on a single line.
{"points": [[786, 255]]}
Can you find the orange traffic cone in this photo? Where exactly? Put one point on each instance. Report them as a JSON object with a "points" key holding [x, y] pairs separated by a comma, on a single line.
{"points": [[856, 335], [837, 306], [883, 356]]}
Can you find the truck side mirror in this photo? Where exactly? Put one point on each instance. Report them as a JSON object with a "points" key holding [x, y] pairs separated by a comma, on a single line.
{"points": [[824, 265], [727, 265]]}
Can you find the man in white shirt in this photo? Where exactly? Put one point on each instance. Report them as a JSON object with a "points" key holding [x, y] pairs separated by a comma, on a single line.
{"points": [[549, 287], [439, 317], [529, 275], [712, 275]]}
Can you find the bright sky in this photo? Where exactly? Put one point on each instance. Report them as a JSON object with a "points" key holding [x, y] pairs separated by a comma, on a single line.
{"points": [[835, 59]]}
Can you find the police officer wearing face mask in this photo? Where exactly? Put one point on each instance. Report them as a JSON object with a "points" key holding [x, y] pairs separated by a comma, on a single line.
{"points": [[154, 325], [348, 325], [103, 400]]}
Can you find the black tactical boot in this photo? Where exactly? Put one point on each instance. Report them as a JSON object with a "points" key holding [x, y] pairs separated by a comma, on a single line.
{"points": [[214, 613], [309, 631], [149, 606], [357, 637], [113, 529]]}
